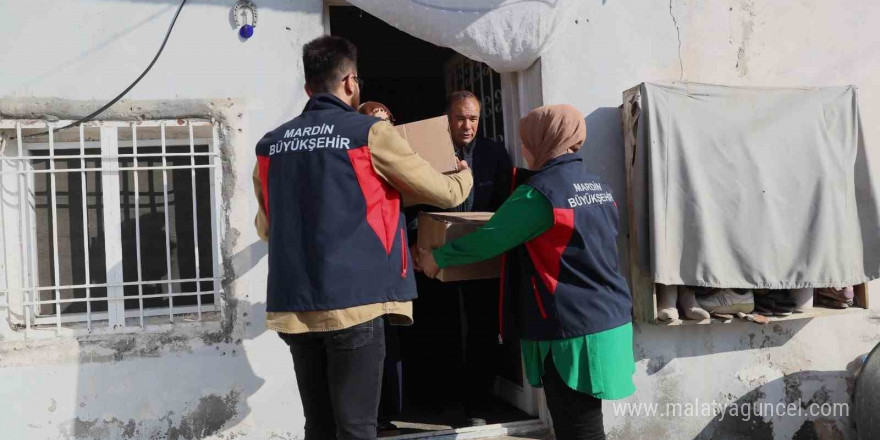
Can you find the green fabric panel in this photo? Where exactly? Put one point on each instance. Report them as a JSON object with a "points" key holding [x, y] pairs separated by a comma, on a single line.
{"points": [[600, 364]]}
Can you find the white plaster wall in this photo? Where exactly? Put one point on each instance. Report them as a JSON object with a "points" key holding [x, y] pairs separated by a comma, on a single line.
{"points": [[91, 50], [614, 45]]}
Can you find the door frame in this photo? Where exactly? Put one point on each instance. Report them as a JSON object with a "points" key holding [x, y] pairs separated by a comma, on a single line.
{"points": [[521, 92]]}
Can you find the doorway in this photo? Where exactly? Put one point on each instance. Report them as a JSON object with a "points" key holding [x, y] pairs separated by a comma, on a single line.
{"points": [[402, 72], [413, 78]]}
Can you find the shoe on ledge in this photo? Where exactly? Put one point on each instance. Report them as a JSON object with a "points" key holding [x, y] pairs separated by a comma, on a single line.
{"points": [[727, 301]]}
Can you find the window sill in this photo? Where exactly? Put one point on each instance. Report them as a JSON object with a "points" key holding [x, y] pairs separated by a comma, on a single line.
{"points": [[183, 325], [815, 312], [52, 346]]}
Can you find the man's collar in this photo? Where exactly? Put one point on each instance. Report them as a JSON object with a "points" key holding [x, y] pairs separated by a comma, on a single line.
{"points": [[326, 101], [468, 147]]}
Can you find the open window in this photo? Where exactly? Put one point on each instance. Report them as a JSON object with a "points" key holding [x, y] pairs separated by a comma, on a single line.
{"points": [[758, 188]]}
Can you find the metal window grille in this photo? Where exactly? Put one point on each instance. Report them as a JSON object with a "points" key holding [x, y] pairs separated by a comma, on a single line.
{"points": [[467, 74], [110, 224]]}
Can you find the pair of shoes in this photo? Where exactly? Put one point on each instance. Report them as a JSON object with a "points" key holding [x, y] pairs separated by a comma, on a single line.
{"points": [[727, 301], [774, 302], [835, 298], [764, 309]]}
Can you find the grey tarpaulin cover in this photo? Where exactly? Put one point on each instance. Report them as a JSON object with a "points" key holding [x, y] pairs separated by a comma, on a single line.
{"points": [[757, 187]]}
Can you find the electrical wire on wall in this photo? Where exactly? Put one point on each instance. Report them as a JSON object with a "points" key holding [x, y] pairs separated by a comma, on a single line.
{"points": [[131, 86]]}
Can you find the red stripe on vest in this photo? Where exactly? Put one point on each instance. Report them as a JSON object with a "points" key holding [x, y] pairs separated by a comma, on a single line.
{"points": [[403, 250], [383, 201], [263, 170], [546, 249]]}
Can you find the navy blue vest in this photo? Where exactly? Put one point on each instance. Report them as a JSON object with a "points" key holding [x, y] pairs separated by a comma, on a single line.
{"points": [[566, 281], [337, 237]]}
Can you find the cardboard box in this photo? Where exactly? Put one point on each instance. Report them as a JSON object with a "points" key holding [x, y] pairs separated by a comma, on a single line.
{"points": [[439, 228], [430, 138]]}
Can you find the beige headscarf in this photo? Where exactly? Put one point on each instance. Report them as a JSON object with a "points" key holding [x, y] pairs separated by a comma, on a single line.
{"points": [[552, 130]]}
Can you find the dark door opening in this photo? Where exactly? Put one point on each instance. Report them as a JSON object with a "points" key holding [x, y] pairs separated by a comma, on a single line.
{"points": [[402, 72], [413, 78]]}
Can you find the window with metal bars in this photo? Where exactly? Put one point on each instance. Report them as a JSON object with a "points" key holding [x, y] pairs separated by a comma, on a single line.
{"points": [[110, 224]]}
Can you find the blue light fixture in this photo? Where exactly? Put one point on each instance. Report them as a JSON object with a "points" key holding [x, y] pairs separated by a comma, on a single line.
{"points": [[240, 15], [246, 31]]}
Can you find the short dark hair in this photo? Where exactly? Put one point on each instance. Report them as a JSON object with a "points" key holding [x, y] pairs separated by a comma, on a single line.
{"points": [[326, 60], [458, 96]]}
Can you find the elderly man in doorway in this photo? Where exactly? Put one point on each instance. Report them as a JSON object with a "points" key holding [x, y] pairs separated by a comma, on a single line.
{"points": [[440, 342]]}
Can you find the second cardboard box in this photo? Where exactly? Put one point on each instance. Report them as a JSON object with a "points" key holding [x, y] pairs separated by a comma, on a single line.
{"points": [[439, 228]]}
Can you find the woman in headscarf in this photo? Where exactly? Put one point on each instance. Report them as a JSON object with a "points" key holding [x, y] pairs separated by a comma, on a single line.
{"points": [[572, 306], [377, 109]]}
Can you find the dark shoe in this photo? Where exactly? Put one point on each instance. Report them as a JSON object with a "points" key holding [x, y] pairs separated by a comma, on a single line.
{"points": [[385, 426], [774, 302], [785, 303], [841, 298], [763, 308], [830, 303]]}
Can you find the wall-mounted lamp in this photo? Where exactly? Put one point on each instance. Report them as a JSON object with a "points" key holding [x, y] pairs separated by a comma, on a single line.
{"points": [[239, 12]]}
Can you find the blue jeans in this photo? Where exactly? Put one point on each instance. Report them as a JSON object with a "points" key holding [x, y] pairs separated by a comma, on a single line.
{"points": [[339, 375]]}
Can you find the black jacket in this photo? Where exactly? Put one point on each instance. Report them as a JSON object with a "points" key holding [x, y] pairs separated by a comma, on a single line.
{"points": [[492, 171]]}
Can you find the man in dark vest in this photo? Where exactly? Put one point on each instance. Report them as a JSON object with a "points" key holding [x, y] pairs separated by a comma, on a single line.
{"points": [[468, 364], [331, 185]]}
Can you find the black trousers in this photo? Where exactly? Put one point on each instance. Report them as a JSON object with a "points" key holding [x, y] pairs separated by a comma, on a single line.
{"points": [[339, 375], [391, 402], [432, 346], [482, 353], [443, 365], [576, 415]]}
